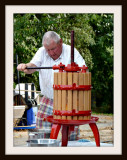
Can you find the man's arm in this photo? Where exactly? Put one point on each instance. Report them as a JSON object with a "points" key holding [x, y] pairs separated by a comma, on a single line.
{"points": [[22, 67]]}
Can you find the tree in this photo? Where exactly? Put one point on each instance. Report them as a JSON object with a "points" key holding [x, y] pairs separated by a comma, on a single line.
{"points": [[93, 39], [29, 29], [102, 54]]}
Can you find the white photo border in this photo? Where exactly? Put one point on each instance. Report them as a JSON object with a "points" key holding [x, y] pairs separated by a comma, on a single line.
{"points": [[114, 9]]}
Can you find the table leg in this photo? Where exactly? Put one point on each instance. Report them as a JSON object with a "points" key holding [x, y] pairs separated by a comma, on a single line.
{"points": [[65, 130], [54, 131], [96, 133]]}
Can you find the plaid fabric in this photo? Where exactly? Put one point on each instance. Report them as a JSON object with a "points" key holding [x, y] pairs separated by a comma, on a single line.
{"points": [[74, 135], [46, 109]]}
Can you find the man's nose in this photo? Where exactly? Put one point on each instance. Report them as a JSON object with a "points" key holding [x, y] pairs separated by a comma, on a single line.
{"points": [[51, 52]]}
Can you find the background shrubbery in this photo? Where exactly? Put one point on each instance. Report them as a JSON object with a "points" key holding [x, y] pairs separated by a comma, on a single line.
{"points": [[93, 39]]}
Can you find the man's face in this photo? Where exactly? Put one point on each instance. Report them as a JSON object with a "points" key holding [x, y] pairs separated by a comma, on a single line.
{"points": [[54, 49]]}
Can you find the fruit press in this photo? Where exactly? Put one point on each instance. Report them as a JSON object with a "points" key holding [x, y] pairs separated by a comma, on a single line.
{"points": [[72, 99]]}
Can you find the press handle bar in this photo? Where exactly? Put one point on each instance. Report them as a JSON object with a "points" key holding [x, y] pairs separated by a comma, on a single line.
{"points": [[39, 68]]}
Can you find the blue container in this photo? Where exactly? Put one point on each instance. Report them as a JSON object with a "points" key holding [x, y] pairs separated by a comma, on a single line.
{"points": [[30, 117], [83, 140]]}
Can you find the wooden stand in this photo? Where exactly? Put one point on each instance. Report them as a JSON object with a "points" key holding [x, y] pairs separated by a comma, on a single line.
{"points": [[72, 102], [67, 124]]}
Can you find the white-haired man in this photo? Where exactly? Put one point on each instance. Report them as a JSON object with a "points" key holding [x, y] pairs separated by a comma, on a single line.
{"points": [[51, 53]]}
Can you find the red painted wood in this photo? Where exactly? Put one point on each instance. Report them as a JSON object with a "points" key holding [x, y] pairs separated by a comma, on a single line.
{"points": [[54, 131], [69, 125], [96, 133]]}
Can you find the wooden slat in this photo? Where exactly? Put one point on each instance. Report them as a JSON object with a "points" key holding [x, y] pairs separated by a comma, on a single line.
{"points": [[89, 93], [75, 94], [64, 93], [85, 95], [81, 97], [59, 94], [55, 94], [69, 105]]}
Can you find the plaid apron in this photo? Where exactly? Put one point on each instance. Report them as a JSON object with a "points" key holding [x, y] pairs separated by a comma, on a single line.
{"points": [[46, 109]]}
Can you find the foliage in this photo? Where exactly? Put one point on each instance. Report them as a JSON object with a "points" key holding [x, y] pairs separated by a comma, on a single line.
{"points": [[102, 54], [29, 29], [93, 39]]}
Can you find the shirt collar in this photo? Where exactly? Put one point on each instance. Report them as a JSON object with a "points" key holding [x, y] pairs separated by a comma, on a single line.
{"points": [[46, 53]]}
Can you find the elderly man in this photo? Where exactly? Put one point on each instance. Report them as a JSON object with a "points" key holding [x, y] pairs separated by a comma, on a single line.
{"points": [[52, 53]]}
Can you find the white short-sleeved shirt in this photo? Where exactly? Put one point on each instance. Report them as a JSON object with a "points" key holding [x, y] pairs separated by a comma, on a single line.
{"points": [[46, 76]]}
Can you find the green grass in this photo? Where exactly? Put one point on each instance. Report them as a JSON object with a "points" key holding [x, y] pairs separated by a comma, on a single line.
{"points": [[106, 114], [106, 110]]}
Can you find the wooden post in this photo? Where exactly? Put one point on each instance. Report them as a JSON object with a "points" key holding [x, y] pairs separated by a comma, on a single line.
{"points": [[81, 97], [55, 93], [64, 93], [75, 94], [59, 93], [85, 95], [69, 105], [89, 92]]}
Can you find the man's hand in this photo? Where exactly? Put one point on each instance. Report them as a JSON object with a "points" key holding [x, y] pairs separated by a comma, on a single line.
{"points": [[22, 67]]}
